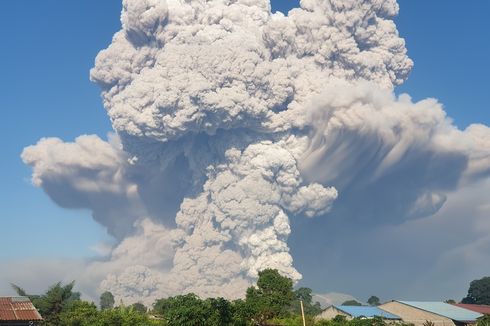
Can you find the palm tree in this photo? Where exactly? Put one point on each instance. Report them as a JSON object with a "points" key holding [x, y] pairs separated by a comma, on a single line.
{"points": [[53, 302], [20, 291]]}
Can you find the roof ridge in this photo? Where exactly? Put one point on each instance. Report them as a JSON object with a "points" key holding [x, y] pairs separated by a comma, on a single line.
{"points": [[13, 296], [407, 303]]}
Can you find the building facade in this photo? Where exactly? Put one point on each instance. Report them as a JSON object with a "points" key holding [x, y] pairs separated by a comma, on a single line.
{"points": [[351, 312], [439, 313]]}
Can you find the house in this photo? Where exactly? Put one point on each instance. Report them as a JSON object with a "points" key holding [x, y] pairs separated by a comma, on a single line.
{"points": [[351, 312], [480, 308], [18, 311], [440, 313]]}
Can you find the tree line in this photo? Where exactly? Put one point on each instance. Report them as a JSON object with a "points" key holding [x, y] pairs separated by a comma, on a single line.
{"points": [[272, 301]]}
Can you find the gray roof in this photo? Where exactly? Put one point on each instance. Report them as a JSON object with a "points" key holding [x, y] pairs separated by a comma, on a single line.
{"points": [[445, 310]]}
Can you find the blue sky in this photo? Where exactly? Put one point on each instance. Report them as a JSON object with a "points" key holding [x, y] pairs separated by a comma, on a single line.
{"points": [[49, 47], [46, 91], [448, 41]]}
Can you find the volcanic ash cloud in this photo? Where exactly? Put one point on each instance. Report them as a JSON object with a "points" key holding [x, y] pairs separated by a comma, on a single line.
{"points": [[230, 120]]}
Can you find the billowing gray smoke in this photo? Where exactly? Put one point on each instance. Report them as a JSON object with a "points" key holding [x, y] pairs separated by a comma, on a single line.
{"points": [[230, 121]]}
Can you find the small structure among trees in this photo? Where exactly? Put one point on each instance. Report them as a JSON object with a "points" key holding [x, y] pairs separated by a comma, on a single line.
{"points": [[18, 311], [439, 313], [352, 312]]}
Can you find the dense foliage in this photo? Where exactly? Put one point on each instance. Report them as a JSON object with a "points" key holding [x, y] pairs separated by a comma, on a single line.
{"points": [[83, 313], [373, 301], [479, 292], [310, 308], [271, 297], [337, 321], [50, 305], [60, 305], [341, 321], [106, 300], [190, 310], [351, 303], [273, 301], [484, 321]]}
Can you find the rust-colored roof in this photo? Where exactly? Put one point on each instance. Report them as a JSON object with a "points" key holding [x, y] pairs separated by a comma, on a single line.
{"points": [[483, 309], [18, 308]]}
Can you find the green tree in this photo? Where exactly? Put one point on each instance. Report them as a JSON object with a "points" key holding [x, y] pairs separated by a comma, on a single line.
{"points": [[21, 292], [139, 307], [51, 304], [376, 321], [351, 303], [342, 321], [83, 313], [220, 311], [271, 297], [242, 313], [160, 306], [79, 314], [183, 310], [305, 294], [190, 310], [373, 301], [123, 316], [479, 292], [483, 321], [55, 300], [293, 320], [338, 320], [106, 300]]}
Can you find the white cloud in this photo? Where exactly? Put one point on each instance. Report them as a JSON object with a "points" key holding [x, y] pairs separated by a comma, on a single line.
{"points": [[88, 173]]}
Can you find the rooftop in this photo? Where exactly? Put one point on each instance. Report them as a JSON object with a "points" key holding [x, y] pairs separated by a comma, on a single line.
{"points": [[445, 309], [483, 309], [366, 311], [18, 308]]}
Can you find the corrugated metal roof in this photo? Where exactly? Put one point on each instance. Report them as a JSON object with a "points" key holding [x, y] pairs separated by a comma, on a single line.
{"points": [[481, 308], [445, 309], [17, 308], [366, 311]]}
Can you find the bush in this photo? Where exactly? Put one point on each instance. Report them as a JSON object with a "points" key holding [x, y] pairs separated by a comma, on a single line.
{"points": [[83, 313]]}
